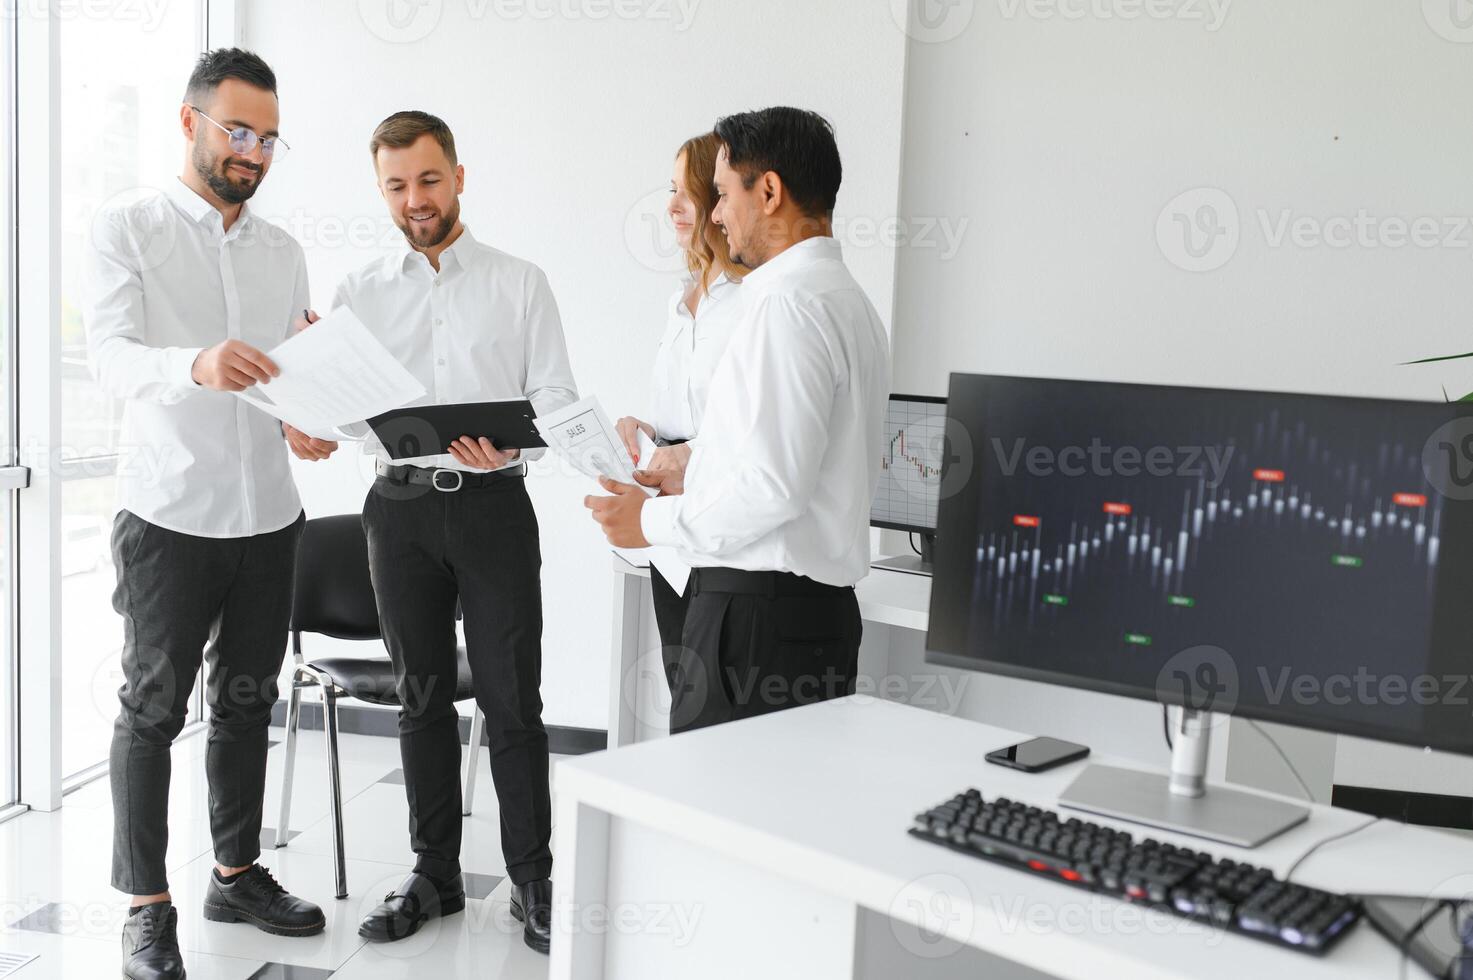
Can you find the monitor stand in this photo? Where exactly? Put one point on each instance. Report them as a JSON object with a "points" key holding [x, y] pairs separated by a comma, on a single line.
{"points": [[1182, 801], [911, 564]]}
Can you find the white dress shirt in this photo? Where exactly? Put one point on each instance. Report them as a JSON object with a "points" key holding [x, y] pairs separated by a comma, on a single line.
{"points": [[163, 281], [688, 355], [484, 328], [780, 477]]}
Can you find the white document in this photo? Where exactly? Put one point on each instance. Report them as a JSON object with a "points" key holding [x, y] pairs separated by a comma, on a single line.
{"points": [[664, 559], [646, 447], [333, 373], [582, 434]]}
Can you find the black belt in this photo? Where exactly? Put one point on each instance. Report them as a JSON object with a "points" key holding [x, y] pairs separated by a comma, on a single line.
{"points": [[759, 583], [447, 481]]}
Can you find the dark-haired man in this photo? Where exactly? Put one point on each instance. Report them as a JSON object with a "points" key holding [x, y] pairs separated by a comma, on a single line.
{"points": [[472, 323], [183, 291], [771, 509]]}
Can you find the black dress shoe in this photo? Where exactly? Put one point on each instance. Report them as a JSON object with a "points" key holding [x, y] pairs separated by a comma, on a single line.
{"points": [[531, 904], [416, 901], [254, 896], [151, 944]]}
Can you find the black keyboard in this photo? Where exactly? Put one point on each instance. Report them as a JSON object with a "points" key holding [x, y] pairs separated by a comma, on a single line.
{"points": [[1235, 896]]}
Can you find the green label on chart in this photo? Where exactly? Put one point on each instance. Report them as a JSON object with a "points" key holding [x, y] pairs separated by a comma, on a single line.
{"points": [[1055, 600], [1138, 639], [1181, 600], [1347, 561]]}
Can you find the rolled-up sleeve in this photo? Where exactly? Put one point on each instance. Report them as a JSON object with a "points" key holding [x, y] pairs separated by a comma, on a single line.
{"points": [[115, 318]]}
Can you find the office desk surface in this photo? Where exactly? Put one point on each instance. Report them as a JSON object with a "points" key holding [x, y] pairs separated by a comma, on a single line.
{"points": [[824, 795], [891, 598]]}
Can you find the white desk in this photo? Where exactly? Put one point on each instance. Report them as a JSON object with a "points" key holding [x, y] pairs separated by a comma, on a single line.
{"points": [[639, 699], [777, 847]]}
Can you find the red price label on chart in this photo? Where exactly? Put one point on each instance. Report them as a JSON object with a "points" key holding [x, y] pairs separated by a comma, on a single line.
{"points": [[1410, 499], [1121, 510], [1025, 520], [1269, 476]]}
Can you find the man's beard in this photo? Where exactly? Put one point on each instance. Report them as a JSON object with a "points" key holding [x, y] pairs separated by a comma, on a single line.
{"points": [[212, 172], [437, 234]]}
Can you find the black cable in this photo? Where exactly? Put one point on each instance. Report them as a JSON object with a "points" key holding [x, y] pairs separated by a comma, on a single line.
{"points": [[911, 537], [1340, 836], [1406, 941], [1308, 794], [1166, 726]]}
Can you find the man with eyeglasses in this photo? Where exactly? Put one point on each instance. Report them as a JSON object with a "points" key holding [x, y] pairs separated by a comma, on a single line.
{"points": [[184, 289]]}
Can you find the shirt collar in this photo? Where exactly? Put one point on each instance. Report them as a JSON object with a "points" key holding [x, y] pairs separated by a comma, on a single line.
{"points": [[197, 209], [804, 253], [718, 289], [462, 252]]}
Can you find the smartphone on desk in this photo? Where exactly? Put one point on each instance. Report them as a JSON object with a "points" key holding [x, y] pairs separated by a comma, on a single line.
{"points": [[1038, 754]]}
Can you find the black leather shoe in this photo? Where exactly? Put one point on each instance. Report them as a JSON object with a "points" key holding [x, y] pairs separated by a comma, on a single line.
{"points": [[255, 897], [531, 904], [151, 944], [416, 901]]}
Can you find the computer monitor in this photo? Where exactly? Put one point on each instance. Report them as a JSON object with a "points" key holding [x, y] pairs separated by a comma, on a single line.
{"points": [[912, 447], [1292, 558]]}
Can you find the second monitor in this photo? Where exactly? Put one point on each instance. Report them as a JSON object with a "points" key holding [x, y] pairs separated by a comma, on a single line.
{"points": [[911, 453]]}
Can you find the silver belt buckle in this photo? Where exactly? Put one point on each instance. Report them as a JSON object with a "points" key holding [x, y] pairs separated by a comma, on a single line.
{"points": [[459, 480]]}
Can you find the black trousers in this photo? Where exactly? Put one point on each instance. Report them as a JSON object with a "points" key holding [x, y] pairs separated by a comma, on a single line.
{"points": [[756, 642], [185, 599], [426, 549], [670, 609]]}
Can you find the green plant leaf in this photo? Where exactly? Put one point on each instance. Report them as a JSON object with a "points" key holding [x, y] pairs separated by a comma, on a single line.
{"points": [[1433, 360]]}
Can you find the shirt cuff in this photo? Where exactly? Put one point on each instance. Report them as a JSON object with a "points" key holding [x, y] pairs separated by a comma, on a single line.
{"points": [[657, 520], [181, 370]]}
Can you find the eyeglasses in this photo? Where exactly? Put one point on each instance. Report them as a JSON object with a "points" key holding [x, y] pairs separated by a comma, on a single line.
{"points": [[243, 140]]}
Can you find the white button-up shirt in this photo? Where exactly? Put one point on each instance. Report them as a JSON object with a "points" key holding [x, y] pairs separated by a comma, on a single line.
{"points": [[780, 477], [484, 328], [163, 281], [688, 355]]}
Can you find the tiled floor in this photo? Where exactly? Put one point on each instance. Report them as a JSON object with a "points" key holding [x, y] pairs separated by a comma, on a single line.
{"points": [[56, 904]]}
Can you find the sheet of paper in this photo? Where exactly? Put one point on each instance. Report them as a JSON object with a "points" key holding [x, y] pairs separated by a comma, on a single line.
{"points": [[333, 373], [582, 434], [646, 447]]}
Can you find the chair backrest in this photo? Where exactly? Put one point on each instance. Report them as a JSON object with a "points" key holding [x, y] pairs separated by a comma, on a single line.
{"points": [[334, 594]]}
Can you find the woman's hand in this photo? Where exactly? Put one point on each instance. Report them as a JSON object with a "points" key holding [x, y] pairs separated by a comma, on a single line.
{"points": [[629, 428]]}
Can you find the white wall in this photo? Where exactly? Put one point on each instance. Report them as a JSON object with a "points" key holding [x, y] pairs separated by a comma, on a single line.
{"points": [[1060, 134], [567, 125]]}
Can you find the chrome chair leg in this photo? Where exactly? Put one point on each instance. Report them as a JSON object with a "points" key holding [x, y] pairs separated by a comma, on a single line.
{"points": [[335, 786], [293, 719], [472, 760]]}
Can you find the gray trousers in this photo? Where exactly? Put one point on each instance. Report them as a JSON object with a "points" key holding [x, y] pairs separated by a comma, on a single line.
{"points": [[186, 599]]}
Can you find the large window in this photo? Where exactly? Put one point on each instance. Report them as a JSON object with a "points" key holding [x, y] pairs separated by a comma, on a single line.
{"points": [[9, 676], [122, 82]]}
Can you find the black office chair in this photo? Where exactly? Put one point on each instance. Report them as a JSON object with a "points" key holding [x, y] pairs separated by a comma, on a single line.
{"points": [[334, 597]]}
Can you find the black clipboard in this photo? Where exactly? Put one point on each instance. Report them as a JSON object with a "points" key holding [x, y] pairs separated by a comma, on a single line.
{"points": [[428, 430]]}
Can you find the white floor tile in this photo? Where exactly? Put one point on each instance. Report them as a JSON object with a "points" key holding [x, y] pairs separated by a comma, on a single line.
{"points": [[71, 958], [376, 827]]}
